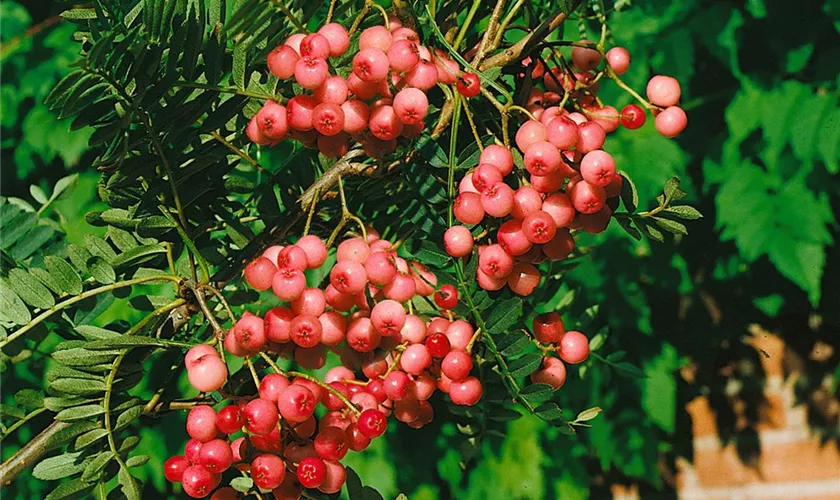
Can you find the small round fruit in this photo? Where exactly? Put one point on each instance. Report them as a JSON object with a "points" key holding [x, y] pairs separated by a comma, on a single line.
{"points": [[260, 416], [663, 91], [574, 347], [619, 59], [201, 423], [553, 373], [311, 472], [671, 122], [469, 85], [372, 423], [174, 468], [267, 471], [548, 328], [230, 419], [633, 116], [197, 481], [458, 241], [467, 392], [446, 297]]}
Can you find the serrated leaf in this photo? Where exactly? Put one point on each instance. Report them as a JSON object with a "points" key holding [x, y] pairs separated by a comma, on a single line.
{"points": [[101, 271], [89, 438], [504, 315], [91, 332], [629, 193], [30, 289], [504, 415], [671, 226], [431, 255], [549, 411], [69, 489], [537, 394], [59, 467], [137, 460], [12, 307], [686, 212], [513, 344], [130, 486], [29, 398], [97, 465], [99, 247], [525, 365], [78, 386], [83, 357], [64, 275], [68, 432], [122, 342], [141, 253], [79, 412], [9, 411], [672, 190], [128, 416], [242, 484]]}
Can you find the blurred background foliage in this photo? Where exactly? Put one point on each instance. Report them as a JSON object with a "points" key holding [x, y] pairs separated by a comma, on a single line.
{"points": [[759, 159]]}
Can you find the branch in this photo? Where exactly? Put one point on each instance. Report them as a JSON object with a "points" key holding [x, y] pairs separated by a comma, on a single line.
{"points": [[330, 178], [30, 454]]}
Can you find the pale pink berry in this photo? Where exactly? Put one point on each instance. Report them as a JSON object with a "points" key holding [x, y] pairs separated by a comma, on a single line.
{"points": [[259, 273], [288, 283], [415, 359], [498, 156], [553, 373], [361, 88], [542, 158], [663, 91], [560, 208], [468, 208], [530, 132], [337, 37], [424, 75], [362, 336], [208, 374], [547, 183], [459, 333], [282, 60], [598, 167], [512, 239], [467, 392], [271, 120], [277, 321], [403, 55], [250, 332], [411, 105], [384, 123], [574, 347], [447, 70], [348, 277], [380, 268], [404, 33], [355, 249], [526, 200], [299, 112], [671, 121], [255, 135], [334, 90], [457, 365], [402, 288], [356, 114], [201, 423], [370, 65], [587, 198], [495, 262], [294, 41], [310, 71], [562, 132], [619, 60], [458, 241], [607, 117], [315, 45], [591, 137], [497, 199], [333, 327], [328, 118], [388, 317], [585, 58], [414, 330], [376, 36]]}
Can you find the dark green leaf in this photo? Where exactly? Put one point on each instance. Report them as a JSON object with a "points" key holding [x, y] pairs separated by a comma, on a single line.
{"points": [[97, 465], [549, 411], [70, 489], [684, 212], [671, 226], [525, 365], [99, 247], [29, 398], [513, 344], [128, 416], [64, 275], [79, 412], [537, 394], [30, 289], [12, 308], [102, 271], [83, 357], [504, 315], [431, 254], [629, 193], [138, 254], [628, 370], [91, 332], [122, 341], [59, 467], [78, 386], [137, 461], [70, 431], [89, 438]]}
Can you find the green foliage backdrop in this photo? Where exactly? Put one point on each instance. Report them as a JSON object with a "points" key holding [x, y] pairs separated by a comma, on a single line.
{"points": [[760, 159]]}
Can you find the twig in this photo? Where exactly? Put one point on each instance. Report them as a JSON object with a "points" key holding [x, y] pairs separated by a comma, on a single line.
{"points": [[342, 167]]}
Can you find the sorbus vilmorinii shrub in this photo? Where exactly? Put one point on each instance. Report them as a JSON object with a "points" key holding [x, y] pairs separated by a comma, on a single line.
{"points": [[445, 313]]}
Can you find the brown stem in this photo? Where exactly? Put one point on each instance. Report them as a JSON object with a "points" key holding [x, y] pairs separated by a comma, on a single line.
{"points": [[30, 454], [330, 178]]}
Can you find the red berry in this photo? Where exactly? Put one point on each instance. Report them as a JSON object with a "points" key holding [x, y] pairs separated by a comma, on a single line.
{"points": [[268, 471], [446, 297], [197, 481], [311, 472], [260, 416], [331, 443], [548, 328], [372, 423], [174, 468], [215, 455], [438, 345], [201, 423], [468, 85], [633, 116], [230, 419]]}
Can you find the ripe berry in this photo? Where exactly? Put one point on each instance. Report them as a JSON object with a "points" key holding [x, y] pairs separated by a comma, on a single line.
{"points": [[562, 132], [530, 132], [619, 60], [663, 91], [497, 199], [356, 114], [296, 403], [438, 345], [348, 277], [607, 117], [201, 423], [560, 208], [208, 374], [591, 136], [272, 121], [174, 468], [671, 122], [587, 198], [197, 481], [585, 58], [260, 416], [467, 392], [446, 297], [458, 241], [375, 36], [495, 262], [542, 158], [305, 330], [469, 85], [372, 423], [337, 37], [311, 471], [384, 123], [574, 347], [457, 365], [370, 65], [355, 249], [230, 419], [299, 112], [191, 450], [259, 273], [411, 105], [539, 227], [215, 455], [360, 88], [633, 116], [498, 156], [415, 359], [282, 60], [328, 118], [553, 373], [560, 246], [512, 239], [310, 71], [250, 333], [598, 167], [548, 328], [334, 478], [331, 443], [524, 279], [468, 208], [403, 55], [267, 471], [294, 41], [315, 45], [424, 76], [388, 317]]}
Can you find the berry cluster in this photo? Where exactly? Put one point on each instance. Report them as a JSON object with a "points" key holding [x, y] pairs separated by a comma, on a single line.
{"points": [[571, 347], [572, 183], [381, 99], [360, 315]]}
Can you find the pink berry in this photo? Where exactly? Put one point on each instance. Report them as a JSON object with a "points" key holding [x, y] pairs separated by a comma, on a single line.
{"points": [[542, 158], [315, 45], [411, 105], [197, 481], [201, 423], [553, 373], [414, 330], [447, 70], [458, 241], [271, 120], [598, 167], [497, 199], [331, 443], [539, 227], [250, 333], [424, 75], [384, 123], [355, 249], [296, 403], [260, 416], [375, 36], [619, 59], [467, 392], [328, 119], [560, 246], [299, 112], [459, 333], [663, 91], [305, 331], [334, 91], [512, 239], [671, 122], [402, 288], [337, 37], [380, 268], [208, 374], [560, 208], [362, 336], [282, 60], [356, 114], [255, 135], [574, 347], [530, 132], [587, 198], [607, 117], [415, 359], [268, 471], [348, 277], [403, 55], [457, 365], [591, 137], [361, 88], [524, 279], [370, 65], [311, 71], [195, 355], [526, 200], [585, 58], [388, 317], [288, 284], [468, 208], [335, 476], [294, 41], [562, 132], [215, 455], [259, 273], [498, 156], [495, 262]]}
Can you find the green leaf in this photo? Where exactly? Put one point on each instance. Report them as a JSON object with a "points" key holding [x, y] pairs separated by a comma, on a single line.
{"points": [[66, 434], [79, 14], [504, 415], [30, 289], [431, 254], [242, 484], [102, 271], [59, 467], [91, 332], [129, 416], [629, 193], [588, 414], [78, 386], [653, 233], [9, 411], [38, 194], [673, 191], [549, 411], [684, 212], [513, 344], [69, 489], [355, 489], [671, 226], [504, 315], [79, 412], [83, 357], [628, 370], [137, 460], [63, 185], [537, 394], [12, 308], [64, 275], [139, 254], [99, 247], [802, 263], [123, 341], [97, 465], [29, 398], [525, 365], [89, 438], [130, 486]]}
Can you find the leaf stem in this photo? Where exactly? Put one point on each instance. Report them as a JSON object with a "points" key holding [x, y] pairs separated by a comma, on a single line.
{"points": [[227, 90], [466, 26]]}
